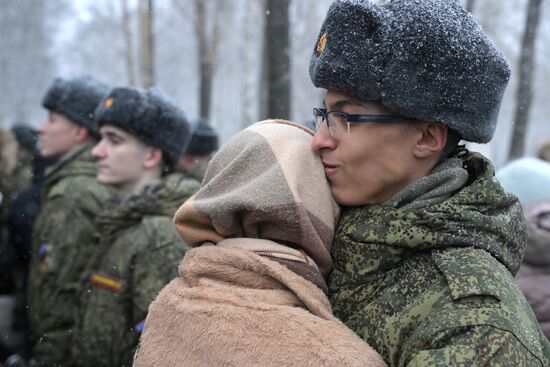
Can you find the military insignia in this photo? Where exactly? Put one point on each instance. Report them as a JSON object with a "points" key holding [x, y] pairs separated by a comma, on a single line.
{"points": [[106, 281], [322, 43], [108, 102]]}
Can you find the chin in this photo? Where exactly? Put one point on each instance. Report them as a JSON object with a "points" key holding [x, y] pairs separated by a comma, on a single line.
{"points": [[345, 198], [45, 153], [341, 198], [105, 179]]}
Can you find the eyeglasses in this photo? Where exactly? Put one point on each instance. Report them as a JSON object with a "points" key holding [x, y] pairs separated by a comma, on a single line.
{"points": [[339, 122]]}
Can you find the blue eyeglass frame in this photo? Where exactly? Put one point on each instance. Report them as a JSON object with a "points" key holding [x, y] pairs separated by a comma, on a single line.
{"points": [[361, 118]]}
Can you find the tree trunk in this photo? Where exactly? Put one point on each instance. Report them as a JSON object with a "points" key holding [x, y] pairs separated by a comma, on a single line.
{"points": [[126, 29], [147, 46], [470, 6], [526, 70], [249, 84], [207, 51], [277, 60]]}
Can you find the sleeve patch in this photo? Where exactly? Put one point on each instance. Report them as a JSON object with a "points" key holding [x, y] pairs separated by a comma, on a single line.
{"points": [[106, 281]]}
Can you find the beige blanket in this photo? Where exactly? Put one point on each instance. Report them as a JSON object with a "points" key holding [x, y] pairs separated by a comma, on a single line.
{"points": [[232, 307]]}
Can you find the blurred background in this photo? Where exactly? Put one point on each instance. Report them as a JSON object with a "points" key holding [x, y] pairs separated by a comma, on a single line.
{"points": [[238, 61]]}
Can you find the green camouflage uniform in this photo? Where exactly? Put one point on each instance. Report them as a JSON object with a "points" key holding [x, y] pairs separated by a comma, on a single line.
{"points": [[63, 241], [140, 253], [435, 286]]}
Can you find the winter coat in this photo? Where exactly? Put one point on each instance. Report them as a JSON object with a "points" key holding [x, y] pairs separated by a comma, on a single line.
{"points": [[434, 286], [534, 274], [140, 251], [232, 307], [63, 242], [250, 294]]}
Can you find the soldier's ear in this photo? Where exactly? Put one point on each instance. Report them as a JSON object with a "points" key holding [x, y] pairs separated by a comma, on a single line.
{"points": [[81, 134], [431, 141], [153, 158]]}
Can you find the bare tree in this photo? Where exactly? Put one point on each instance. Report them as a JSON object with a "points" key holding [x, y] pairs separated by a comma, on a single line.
{"points": [[146, 43], [126, 29], [249, 85], [207, 42], [26, 61], [276, 60], [526, 70]]}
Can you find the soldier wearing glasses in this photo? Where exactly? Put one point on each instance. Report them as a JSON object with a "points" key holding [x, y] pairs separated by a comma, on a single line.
{"points": [[429, 242]]}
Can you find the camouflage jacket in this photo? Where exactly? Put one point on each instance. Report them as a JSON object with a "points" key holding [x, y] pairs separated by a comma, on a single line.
{"points": [[434, 286], [140, 253], [63, 241]]}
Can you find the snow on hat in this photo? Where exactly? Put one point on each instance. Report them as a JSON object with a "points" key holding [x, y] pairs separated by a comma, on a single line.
{"points": [[527, 178], [76, 99], [150, 116], [425, 59], [204, 140]]}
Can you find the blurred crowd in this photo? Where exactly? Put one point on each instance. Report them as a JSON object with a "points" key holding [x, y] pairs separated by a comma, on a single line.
{"points": [[151, 159]]}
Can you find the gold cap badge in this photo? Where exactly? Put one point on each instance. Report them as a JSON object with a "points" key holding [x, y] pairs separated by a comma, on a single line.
{"points": [[322, 43], [108, 102]]}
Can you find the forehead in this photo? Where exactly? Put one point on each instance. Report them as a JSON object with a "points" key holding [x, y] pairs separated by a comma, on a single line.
{"points": [[113, 130], [60, 118], [339, 101]]}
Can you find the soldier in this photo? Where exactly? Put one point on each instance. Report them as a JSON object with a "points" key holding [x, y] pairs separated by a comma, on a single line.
{"points": [[428, 243], [203, 145], [26, 138], [143, 137], [63, 236]]}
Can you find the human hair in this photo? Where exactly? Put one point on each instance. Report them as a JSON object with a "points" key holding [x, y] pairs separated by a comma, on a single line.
{"points": [[453, 138]]}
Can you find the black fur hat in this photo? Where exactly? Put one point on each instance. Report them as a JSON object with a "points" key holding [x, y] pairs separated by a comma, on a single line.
{"points": [[26, 136], [425, 59], [76, 99], [148, 115], [204, 140]]}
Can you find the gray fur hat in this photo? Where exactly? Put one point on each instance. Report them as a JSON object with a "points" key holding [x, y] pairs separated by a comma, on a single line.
{"points": [[204, 140], [76, 99], [425, 59], [150, 116]]}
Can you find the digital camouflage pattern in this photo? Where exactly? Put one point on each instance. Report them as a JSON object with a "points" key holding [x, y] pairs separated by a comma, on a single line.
{"points": [[140, 252], [434, 286], [63, 242]]}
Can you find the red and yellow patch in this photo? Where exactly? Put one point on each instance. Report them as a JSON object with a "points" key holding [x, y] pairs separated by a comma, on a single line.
{"points": [[108, 282]]}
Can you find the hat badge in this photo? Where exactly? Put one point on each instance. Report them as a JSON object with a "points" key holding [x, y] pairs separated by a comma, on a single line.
{"points": [[108, 102], [322, 43]]}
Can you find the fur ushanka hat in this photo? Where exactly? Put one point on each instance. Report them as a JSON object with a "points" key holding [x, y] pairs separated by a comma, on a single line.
{"points": [[150, 116], [76, 99], [204, 140], [425, 59]]}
